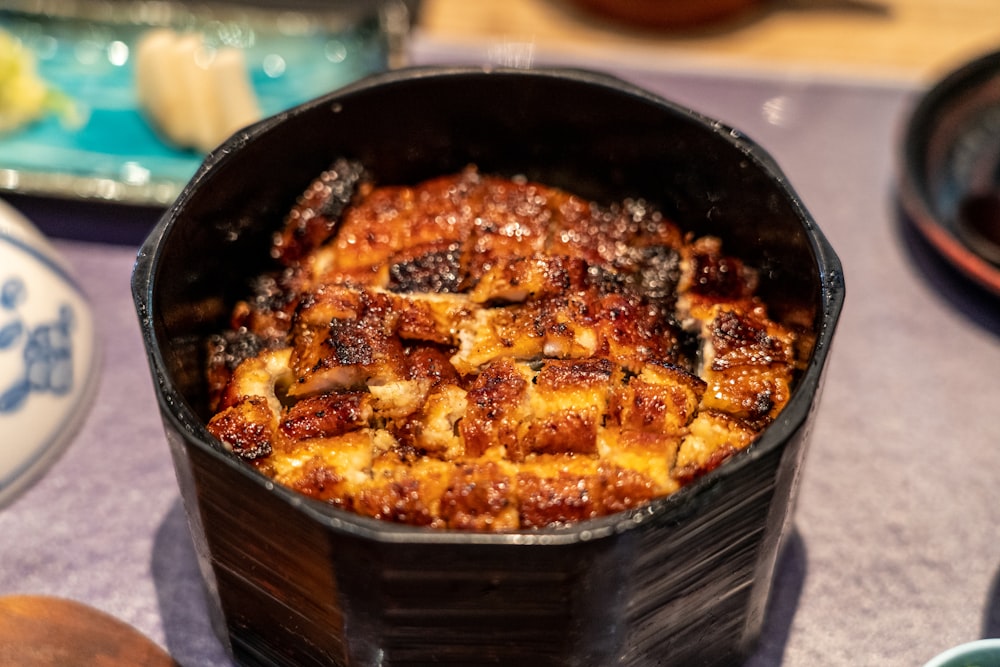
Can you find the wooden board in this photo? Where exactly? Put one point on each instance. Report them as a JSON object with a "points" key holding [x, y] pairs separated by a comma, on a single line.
{"points": [[43, 631], [912, 40]]}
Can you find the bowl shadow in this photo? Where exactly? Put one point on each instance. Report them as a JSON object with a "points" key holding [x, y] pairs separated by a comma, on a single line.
{"points": [[182, 597], [979, 306], [786, 590], [991, 615]]}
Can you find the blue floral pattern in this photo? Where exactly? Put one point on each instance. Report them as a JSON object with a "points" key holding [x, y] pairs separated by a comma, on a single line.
{"points": [[46, 350]]}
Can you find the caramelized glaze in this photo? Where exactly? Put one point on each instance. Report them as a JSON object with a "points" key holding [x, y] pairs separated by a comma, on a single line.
{"points": [[483, 353]]}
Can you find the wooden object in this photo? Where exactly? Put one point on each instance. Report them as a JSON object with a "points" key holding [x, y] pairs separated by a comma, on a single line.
{"points": [[42, 631], [908, 40]]}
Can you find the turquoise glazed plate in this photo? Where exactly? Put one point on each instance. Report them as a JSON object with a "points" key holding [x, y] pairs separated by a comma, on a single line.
{"points": [[86, 51]]}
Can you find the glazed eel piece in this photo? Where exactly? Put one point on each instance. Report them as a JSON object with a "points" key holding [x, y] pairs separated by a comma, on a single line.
{"points": [[483, 353]]}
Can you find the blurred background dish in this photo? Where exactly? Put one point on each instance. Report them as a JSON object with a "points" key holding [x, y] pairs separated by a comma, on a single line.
{"points": [[668, 14], [950, 169], [48, 353], [107, 148]]}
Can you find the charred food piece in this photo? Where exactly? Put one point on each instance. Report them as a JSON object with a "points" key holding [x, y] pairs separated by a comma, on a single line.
{"points": [[482, 353]]}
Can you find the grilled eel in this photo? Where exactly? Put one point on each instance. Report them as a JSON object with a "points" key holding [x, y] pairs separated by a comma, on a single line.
{"points": [[482, 353]]}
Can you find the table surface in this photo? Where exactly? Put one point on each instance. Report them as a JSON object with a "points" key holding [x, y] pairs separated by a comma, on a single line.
{"points": [[913, 40], [894, 555]]}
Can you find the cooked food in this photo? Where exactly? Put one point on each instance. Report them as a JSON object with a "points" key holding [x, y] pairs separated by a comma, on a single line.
{"points": [[482, 353], [24, 96], [193, 94]]}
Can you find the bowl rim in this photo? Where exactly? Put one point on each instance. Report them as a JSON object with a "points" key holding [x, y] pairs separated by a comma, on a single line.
{"points": [[919, 125], [794, 415], [971, 649]]}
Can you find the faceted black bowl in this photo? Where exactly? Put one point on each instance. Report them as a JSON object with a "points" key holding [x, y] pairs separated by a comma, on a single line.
{"points": [[682, 581]]}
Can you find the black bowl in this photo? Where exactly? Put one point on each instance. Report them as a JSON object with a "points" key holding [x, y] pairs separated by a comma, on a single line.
{"points": [[681, 581]]}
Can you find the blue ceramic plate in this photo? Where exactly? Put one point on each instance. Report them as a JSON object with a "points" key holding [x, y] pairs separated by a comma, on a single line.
{"points": [[115, 154]]}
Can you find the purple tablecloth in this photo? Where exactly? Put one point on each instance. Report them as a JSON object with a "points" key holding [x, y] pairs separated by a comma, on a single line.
{"points": [[895, 553]]}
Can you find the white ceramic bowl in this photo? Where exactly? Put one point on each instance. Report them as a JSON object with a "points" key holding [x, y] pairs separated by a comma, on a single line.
{"points": [[48, 363], [980, 653]]}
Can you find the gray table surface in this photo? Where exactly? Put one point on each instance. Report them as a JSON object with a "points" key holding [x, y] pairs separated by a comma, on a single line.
{"points": [[895, 553]]}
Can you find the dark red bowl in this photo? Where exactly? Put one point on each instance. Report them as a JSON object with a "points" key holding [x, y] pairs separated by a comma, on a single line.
{"points": [[292, 581], [949, 167], [668, 14]]}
